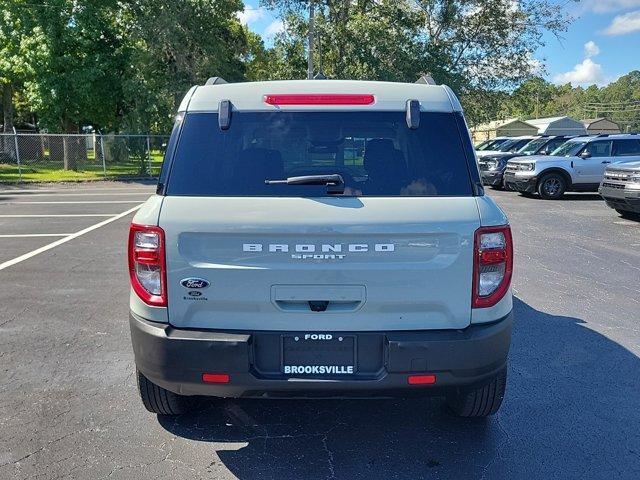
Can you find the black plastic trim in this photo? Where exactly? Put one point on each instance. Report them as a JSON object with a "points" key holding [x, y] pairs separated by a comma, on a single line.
{"points": [[470, 156], [176, 358]]}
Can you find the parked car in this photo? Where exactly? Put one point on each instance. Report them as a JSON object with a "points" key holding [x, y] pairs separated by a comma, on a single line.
{"points": [[272, 262], [577, 165], [492, 166], [512, 145], [620, 188], [491, 144]]}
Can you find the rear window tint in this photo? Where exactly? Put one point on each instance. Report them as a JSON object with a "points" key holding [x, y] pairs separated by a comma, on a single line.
{"points": [[627, 147], [375, 153]]}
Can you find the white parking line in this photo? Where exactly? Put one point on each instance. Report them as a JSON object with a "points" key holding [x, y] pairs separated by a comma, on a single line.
{"points": [[148, 192], [65, 202], [39, 190], [66, 239], [29, 235], [61, 215]]}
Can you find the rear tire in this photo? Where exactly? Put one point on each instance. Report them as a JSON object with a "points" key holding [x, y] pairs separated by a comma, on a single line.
{"points": [[479, 401], [552, 186], [161, 401]]}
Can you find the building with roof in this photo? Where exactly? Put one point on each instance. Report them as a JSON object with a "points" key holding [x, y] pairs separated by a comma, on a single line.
{"points": [[558, 126], [512, 127], [596, 126]]}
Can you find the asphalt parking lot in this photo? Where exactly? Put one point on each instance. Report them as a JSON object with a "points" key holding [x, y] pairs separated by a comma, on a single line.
{"points": [[69, 406]]}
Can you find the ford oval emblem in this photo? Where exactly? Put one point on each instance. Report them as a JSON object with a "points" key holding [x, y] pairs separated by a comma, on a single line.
{"points": [[194, 283]]}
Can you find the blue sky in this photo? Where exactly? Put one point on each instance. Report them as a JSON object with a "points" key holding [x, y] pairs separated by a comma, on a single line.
{"points": [[601, 44]]}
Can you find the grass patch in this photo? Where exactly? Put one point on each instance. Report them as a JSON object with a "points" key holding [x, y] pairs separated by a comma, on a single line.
{"points": [[47, 171]]}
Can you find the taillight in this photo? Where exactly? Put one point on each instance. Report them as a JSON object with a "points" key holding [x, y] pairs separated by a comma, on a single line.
{"points": [[319, 99], [492, 265], [147, 268]]}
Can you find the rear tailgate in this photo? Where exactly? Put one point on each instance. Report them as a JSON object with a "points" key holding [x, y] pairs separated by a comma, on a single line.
{"points": [[365, 264]]}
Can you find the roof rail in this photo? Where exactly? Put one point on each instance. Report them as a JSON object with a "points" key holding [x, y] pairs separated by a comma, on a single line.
{"points": [[426, 80], [215, 81]]}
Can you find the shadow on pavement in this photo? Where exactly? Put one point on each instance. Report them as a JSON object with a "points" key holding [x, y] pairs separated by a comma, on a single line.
{"points": [[568, 196], [571, 411]]}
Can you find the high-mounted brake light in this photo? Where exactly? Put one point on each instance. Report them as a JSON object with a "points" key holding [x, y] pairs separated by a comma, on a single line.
{"points": [[319, 99], [147, 269], [492, 265]]}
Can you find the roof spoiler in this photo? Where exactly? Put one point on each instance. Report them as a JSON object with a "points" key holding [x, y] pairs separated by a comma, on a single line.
{"points": [[426, 80], [215, 81]]}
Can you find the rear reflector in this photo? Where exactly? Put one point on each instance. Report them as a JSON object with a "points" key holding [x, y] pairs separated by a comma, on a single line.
{"points": [[319, 99], [421, 379], [215, 378]]}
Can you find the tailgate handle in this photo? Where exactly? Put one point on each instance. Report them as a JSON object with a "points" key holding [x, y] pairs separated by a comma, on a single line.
{"points": [[318, 298]]}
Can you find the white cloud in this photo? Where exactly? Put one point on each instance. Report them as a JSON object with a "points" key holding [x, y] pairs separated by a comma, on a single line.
{"points": [[250, 15], [623, 24], [591, 49], [603, 6], [585, 73], [274, 28]]}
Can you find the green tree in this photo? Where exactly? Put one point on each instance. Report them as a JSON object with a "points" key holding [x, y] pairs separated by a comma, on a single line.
{"points": [[20, 47], [478, 47], [535, 97], [177, 45], [78, 82]]}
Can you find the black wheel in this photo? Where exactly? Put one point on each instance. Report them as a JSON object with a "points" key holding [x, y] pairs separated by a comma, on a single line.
{"points": [[479, 401], [161, 401], [628, 215], [552, 186]]}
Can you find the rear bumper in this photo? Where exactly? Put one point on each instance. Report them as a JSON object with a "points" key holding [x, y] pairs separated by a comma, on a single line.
{"points": [[519, 184], [492, 178], [175, 359], [621, 198]]}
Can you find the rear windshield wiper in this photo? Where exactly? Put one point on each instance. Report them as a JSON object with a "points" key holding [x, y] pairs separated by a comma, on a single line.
{"points": [[334, 182]]}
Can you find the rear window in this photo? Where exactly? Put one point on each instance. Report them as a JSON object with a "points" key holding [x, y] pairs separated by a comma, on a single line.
{"points": [[375, 153]]}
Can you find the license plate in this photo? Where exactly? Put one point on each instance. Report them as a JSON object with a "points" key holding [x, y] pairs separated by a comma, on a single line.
{"points": [[318, 354]]}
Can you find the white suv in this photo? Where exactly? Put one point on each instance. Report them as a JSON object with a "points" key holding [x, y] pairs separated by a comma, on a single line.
{"points": [[577, 165], [320, 238], [620, 188]]}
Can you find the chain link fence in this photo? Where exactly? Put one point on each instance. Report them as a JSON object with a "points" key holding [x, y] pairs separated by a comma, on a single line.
{"points": [[66, 157]]}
